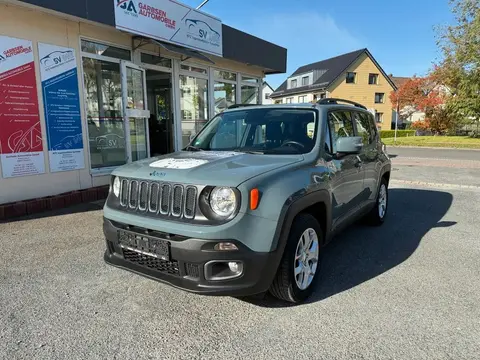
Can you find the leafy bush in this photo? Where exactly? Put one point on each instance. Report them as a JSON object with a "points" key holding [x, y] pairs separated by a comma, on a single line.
{"points": [[474, 135], [384, 134]]}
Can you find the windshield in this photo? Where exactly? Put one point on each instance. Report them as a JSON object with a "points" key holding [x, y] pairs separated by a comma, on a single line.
{"points": [[265, 131]]}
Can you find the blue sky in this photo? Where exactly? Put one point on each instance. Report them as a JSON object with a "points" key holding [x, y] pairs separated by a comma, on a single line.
{"points": [[399, 34]]}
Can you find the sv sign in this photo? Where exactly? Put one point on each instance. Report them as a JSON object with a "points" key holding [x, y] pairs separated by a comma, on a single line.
{"points": [[57, 58]]}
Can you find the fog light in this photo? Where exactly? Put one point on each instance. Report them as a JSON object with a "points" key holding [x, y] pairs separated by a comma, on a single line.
{"points": [[225, 246], [217, 270], [235, 267]]}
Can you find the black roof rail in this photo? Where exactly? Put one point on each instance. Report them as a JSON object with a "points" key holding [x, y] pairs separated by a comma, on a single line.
{"points": [[326, 101], [234, 106]]}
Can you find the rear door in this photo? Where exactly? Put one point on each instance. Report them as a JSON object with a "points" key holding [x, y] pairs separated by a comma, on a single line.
{"points": [[365, 127]]}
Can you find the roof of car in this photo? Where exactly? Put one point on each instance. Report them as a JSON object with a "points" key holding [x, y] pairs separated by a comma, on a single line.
{"points": [[330, 102]]}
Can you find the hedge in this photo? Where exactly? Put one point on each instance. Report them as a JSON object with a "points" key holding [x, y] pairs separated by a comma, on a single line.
{"points": [[400, 133]]}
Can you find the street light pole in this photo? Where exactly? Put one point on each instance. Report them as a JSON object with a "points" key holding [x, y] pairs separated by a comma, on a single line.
{"points": [[203, 3], [396, 124]]}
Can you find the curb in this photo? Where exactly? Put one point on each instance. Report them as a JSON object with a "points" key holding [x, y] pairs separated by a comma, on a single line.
{"points": [[49, 203], [431, 147]]}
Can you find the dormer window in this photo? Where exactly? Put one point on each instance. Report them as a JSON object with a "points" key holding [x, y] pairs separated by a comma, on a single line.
{"points": [[293, 83], [305, 81]]}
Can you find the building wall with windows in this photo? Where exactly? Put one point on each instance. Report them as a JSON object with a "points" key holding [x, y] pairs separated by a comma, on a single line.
{"points": [[200, 90], [363, 82]]}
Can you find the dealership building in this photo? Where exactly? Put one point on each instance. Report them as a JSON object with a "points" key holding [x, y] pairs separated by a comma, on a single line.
{"points": [[89, 85]]}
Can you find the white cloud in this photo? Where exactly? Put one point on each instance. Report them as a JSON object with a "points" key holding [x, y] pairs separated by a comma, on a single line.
{"points": [[307, 36]]}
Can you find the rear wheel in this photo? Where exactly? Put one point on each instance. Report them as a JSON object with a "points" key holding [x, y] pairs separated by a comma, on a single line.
{"points": [[295, 278], [377, 215]]}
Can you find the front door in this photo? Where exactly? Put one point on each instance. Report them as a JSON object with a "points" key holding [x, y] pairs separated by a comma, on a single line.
{"points": [[161, 126], [348, 179], [135, 111]]}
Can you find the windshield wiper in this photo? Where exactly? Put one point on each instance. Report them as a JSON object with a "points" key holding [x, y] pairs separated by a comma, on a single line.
{"points": [[256, 152], [193, 148]]}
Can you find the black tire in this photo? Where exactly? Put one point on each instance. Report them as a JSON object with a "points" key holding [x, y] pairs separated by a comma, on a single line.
{"points": [[284, 286], [374, 218]]}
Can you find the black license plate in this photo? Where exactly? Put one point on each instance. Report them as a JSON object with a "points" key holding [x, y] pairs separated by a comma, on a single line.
{"points": [[144, 244]]}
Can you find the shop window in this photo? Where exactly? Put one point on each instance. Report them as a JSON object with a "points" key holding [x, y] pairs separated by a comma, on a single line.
{"points": [[103, 100], [225, 75], [249, 79], [191, 68], [224, 94], [95, 48], [156, 60], [194, 102], [250, 94]]}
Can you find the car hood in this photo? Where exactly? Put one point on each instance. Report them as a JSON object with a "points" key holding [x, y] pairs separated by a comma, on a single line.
{"points": [[205, 167]]}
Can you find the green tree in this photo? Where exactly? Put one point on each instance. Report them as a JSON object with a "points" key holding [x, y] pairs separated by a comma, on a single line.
{"points": [[460, 67]]}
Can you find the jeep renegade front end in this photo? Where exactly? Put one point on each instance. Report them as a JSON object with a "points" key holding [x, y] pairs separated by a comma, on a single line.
{"points": [[247, 207]]}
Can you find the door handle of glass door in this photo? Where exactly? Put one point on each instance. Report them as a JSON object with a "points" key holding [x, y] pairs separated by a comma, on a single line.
{"points": [[359, 162]]}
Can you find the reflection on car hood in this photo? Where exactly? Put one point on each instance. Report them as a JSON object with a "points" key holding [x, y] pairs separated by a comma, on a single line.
{"points": [[206, 167]]}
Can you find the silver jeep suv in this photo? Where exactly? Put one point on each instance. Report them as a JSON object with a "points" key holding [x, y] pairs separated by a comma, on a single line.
{"points": [[248, 206]]}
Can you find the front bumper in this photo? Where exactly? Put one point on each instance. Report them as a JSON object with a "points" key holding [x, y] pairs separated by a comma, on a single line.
{"points": [[185, 269]]}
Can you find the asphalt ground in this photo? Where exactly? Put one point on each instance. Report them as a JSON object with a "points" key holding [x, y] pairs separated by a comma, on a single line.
{"points": [[407, 290]]}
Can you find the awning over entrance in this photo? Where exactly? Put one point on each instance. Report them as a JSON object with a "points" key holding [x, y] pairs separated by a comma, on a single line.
{"points": [[184, 52]]}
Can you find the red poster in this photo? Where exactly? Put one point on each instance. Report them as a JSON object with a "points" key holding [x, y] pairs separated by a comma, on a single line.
{"points": [[21, 145]]}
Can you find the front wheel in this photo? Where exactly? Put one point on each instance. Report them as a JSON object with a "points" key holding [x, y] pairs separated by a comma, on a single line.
{"points": [[295, 278]]}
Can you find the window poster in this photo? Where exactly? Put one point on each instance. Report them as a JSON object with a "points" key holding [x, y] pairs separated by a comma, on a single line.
{"points": [[61, 99], [21, 145]]}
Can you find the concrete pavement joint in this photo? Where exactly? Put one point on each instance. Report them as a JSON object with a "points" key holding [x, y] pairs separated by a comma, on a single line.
{"points": [[436, 185], [428, 158]]}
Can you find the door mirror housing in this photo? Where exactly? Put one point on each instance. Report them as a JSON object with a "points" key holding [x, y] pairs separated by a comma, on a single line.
{"points": [[349, 145]]}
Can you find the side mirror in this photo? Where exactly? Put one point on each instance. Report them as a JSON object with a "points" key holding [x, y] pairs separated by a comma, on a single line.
{"points": [[349, 145]]}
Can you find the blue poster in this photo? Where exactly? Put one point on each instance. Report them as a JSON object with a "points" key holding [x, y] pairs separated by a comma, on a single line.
{"points": [[61, 102]]}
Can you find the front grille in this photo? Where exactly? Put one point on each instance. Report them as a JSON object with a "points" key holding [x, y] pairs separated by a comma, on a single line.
{"points": [[157, 198], [169, 267]]}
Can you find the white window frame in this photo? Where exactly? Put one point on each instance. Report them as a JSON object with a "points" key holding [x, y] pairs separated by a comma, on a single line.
{"points": [[104, 170], [303, 97], [308, 80], [219, 79], [138, 60], [382, 99], [241, 82], [208, 76]]}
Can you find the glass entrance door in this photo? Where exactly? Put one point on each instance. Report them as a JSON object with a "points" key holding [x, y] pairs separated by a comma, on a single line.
{"points": [[135, 111]]}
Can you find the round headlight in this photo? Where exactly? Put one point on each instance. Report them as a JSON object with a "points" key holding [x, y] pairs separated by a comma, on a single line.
{"points": [[223, 201], [116, 186]]}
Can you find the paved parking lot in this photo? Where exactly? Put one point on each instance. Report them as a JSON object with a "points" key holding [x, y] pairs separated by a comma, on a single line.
{"points": [[407, 290]]}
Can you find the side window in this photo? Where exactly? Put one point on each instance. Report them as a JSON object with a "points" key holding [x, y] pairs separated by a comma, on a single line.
{"points": [[364, 128], [328, 140], [341, 125]]}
